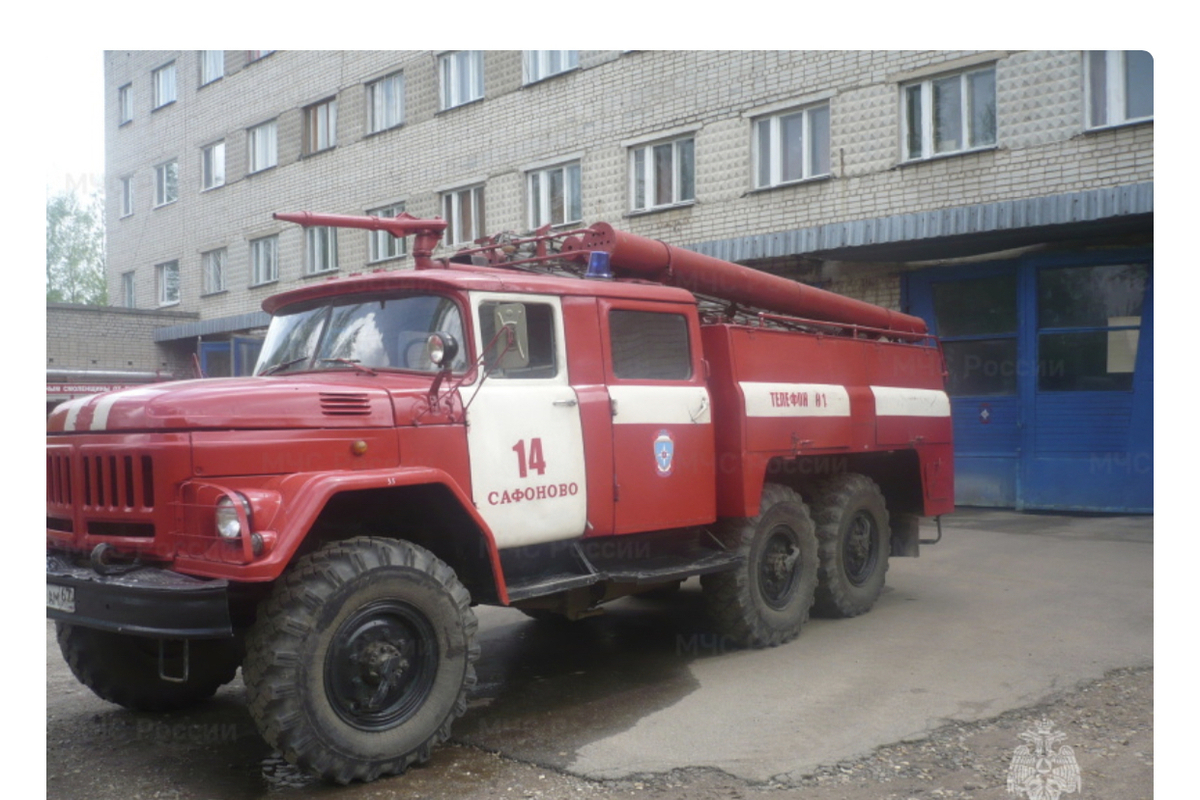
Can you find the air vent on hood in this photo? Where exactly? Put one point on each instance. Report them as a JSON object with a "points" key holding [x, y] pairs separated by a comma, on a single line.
{"points": [[345, 404]]}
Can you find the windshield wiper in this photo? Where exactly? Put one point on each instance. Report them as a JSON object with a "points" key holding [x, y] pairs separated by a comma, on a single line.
{"points": [[349, 362], [271, 370]]}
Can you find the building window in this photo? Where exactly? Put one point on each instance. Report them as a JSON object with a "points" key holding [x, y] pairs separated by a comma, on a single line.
{"points": [[212, 166], [125, 104], [126, 196], [382, 245], [542, 64], [461, 77], [950, 114], [263, 152], [792, 146], [321, 250], [264, 260], [1120, 86], [128, 297], [167, 276], [663, 174], [164, 85], [255, 55], [212, 66], [320, 126], [1089, 323], [554, 196], [977, 322], [213, 264], [166, 183], [385, 103], [463, 210]]}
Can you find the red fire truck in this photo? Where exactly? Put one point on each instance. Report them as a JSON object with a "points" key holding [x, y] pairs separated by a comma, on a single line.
{"points": [[549, 421]]}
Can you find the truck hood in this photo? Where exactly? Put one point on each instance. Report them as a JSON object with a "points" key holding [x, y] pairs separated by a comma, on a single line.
{"points": [[308, 401]]}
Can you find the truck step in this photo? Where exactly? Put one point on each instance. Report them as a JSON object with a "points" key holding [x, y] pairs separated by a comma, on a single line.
{"points": [[639, 562]]}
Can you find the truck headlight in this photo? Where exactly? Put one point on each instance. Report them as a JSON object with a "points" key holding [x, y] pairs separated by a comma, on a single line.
{"points": [[228, 525]]}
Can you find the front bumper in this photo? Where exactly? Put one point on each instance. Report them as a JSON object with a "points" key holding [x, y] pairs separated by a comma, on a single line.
{"points": [[145, 602]]}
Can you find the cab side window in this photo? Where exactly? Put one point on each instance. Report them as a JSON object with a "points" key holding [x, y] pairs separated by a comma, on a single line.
{"points": [[648, 345], [518, 339]]}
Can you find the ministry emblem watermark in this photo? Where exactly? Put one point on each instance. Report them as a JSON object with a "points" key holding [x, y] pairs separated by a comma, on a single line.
{"points": [[1040, 772]]}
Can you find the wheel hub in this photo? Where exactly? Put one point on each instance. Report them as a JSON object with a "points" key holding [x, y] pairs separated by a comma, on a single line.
{"points": [[778, 568], [381, 665], [860, 548]]}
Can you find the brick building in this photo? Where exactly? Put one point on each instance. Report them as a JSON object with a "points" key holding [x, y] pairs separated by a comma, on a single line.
{"points": [[1005, 196]]}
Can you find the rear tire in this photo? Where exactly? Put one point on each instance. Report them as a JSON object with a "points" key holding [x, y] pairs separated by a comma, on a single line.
{"points": [[361, 659], [852, 528], [123, 669], [765, 600]]}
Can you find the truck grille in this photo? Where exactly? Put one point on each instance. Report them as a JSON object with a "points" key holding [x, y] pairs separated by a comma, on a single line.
{"points": [[118, 481], [58, 478]]}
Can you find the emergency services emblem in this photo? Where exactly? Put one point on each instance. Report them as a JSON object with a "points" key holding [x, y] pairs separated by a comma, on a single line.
{"points": [[664, 453], [1038, 771]]}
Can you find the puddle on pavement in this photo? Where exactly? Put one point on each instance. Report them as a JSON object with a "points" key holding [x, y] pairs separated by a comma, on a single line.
{"points": [[547, 688], [544, 690]]}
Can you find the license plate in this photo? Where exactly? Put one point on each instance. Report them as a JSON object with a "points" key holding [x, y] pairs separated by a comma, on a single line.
{"points": [[60, 598]]}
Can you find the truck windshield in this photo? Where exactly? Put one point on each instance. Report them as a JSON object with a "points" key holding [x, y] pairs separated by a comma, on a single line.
{"points": [[388, 333]]}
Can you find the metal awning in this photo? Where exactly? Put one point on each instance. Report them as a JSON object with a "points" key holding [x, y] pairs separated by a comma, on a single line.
{"points": [[955, 232]]}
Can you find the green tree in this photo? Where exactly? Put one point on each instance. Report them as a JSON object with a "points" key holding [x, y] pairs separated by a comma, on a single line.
{"points": [[75, 250]]}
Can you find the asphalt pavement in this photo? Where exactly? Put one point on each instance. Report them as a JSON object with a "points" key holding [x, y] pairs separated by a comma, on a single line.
{"points": [[1008, 610]]}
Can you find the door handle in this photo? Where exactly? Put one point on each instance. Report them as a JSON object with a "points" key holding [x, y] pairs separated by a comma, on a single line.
{"points": [[566, 403]]}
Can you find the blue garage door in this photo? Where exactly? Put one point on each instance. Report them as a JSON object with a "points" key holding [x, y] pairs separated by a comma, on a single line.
{"points": [[1051, 368]]}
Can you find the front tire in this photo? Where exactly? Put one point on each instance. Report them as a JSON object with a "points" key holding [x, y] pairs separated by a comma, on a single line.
{"points": [[124, 669], [852, 528], [765, 600], [361, 659]]}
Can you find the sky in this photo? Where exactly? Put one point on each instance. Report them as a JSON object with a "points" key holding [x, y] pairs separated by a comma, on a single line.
{"points": [[74, 136]]}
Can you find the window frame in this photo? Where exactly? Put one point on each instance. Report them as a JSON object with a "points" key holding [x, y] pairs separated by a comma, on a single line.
{"points": [[928, 144], [380, 241], [257, 250], [451, 203], [129, 289], [649, 184], [126, 196], [373, 102], [776, 144], [207, 166], [125, 104], [1116, 95], [212, 67], [537, 64], [253, 135], [320, 126], [163, 286], [539, 201], [212, 264], [160, 88], [320, 250], [166, 183], [450, 65]]}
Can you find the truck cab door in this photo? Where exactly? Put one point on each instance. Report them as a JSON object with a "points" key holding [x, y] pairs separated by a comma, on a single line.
{"points": [[524, 434], [663, 447]]}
